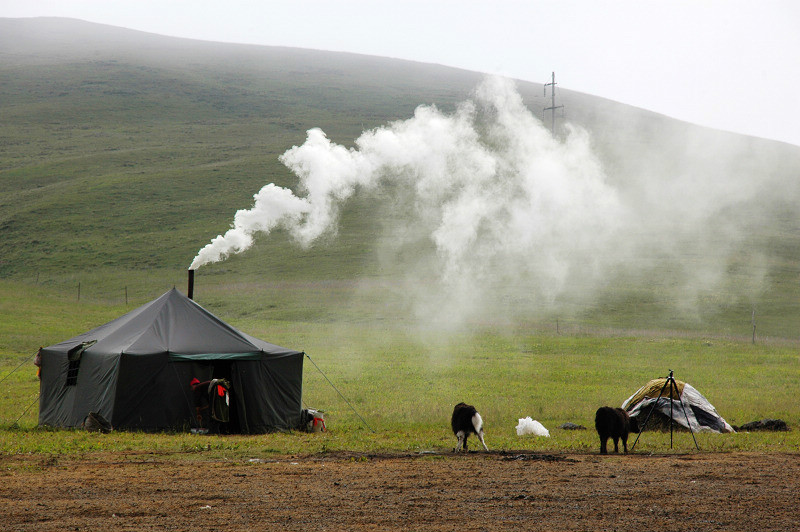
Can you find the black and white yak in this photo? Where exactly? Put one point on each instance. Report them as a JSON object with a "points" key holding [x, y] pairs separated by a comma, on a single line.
{"points": [[465, 421]]}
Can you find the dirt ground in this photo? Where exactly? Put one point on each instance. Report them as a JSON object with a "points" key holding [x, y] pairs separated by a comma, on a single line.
{"points": [[344, 491]]}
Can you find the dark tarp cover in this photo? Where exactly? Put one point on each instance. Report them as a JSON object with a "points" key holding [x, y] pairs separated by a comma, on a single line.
{"points": [[136, 372]]}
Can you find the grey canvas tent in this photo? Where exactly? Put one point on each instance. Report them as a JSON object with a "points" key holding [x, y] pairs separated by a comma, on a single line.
{"points": [[136, 370]]}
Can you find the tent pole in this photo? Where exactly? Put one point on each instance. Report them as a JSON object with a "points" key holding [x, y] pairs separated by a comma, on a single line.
{"points": [[672, 386], [672, 389], [686, 416], [646, 419]]}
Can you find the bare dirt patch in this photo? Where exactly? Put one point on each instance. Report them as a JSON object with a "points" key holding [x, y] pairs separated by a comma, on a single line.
{"points": [[349, 491]]}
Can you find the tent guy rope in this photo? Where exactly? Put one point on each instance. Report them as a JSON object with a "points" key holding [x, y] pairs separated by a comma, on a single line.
{"points": [[17, 368], [340, 394], [28, 408]]}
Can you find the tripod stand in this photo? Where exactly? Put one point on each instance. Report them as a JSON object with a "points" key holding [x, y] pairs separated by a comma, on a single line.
{"points": [[673, 392]]}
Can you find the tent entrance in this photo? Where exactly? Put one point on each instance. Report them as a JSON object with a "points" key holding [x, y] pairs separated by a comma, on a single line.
{"points": [[221, 369]]}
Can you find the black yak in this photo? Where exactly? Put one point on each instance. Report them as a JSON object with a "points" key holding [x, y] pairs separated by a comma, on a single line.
{"points": [[465, 421], [613, 423]]}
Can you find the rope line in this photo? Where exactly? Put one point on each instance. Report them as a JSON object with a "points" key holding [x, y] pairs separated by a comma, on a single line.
{"points": [[340, 394], [15, 369], [29, 407]]}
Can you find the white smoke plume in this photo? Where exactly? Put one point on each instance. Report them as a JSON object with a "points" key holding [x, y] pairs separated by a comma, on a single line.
{"points": [[496, 193], [514, 214], [273, 205], [490, 167]]}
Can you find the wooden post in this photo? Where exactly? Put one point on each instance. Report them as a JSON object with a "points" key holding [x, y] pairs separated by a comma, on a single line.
{"points": [[754, 326]]}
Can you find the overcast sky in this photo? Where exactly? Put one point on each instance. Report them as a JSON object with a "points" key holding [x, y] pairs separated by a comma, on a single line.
{"points": [[728, 64]]}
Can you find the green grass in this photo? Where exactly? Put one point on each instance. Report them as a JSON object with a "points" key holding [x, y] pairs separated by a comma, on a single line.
{"points": [[406, 439], [404, 384], [120, 159]]}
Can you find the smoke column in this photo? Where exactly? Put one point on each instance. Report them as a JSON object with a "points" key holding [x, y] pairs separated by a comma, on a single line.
{"points": [[499, 198], [511, 216], [490, 174], [273, 205]]}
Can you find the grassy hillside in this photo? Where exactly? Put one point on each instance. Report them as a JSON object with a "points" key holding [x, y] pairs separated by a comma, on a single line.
{"points": [[123, 153]]}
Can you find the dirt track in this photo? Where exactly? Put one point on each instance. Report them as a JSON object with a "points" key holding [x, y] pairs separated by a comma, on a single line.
{"points": [[478, 491]]}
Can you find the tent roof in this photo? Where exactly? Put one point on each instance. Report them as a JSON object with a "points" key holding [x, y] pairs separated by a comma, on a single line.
{"points": [[176, 325]]}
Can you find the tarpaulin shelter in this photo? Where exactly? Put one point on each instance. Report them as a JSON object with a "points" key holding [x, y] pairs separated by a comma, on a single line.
{"points": [[701, 414], [136, 370]]}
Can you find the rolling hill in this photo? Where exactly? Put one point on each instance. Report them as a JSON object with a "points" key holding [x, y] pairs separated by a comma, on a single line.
{"points": [[123, 153]]}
